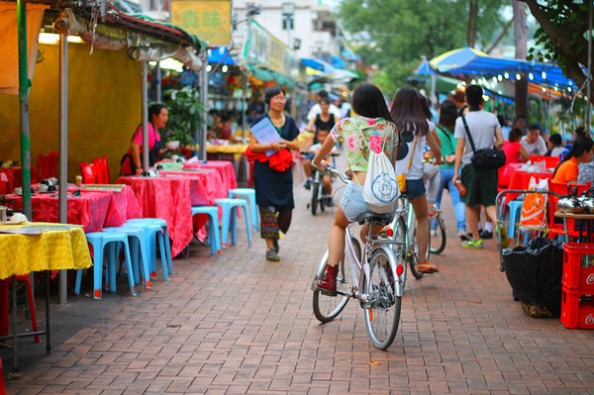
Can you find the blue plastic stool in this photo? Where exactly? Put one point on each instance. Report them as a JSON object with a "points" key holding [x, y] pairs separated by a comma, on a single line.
{"points": [[157, 226], [229, 207], [99, 240], [139, 242], [214, 238], [515, 212], [250, 195]]}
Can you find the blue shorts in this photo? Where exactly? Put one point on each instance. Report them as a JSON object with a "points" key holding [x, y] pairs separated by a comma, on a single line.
{"points": [[415, 188], [352, 202]]}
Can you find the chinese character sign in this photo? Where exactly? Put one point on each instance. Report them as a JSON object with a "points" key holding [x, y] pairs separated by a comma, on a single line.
{"points": [[265, 49], [210, 20]]}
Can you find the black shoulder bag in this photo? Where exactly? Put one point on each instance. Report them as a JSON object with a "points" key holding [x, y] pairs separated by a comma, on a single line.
{"points": [[486, 158]]}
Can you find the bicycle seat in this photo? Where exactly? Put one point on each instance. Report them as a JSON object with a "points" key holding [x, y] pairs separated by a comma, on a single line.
{"points": [[370, 216]]}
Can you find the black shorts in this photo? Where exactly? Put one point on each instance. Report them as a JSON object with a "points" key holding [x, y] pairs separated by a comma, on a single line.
{"points": [[481, 186]]}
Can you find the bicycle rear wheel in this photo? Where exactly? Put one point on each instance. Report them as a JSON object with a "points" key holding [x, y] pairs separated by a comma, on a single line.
{"points": [[438, 240], [326, 308], [382, 314]]}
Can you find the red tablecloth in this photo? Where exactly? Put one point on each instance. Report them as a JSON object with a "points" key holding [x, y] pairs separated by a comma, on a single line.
{"points": [[205, 184], [520, 179], [167, 198], [225, 169], [14, 175], [89, 210]]}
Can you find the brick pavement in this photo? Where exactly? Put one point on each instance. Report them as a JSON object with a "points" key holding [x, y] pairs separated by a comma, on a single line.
{"points": [[237, 324]]}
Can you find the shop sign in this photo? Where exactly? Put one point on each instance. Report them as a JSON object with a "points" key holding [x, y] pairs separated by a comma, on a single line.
{"points": [[210, 20], [264, 49]]}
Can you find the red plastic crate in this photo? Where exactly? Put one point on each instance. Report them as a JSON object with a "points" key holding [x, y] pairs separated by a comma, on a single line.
{"points": [[575, 275], [577, 309]]}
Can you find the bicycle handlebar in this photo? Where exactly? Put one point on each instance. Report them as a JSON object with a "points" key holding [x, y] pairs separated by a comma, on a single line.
{"points": [[340, 175]]}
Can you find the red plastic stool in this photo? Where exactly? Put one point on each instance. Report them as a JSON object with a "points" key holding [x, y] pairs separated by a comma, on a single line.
{"points": [[2, 386], [4, 286]]}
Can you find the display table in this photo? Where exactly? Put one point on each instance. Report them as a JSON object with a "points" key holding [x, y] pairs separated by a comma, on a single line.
{"points": [[94, 210], [34, 247], [167, 198], [205, 184], [226, 171], [571, 218]]}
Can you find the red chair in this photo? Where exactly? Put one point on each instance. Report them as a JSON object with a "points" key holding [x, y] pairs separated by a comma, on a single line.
{"points": [[87, 171], [551, 161], [2, 385], [4, 286], [556, 228], [47, 166], [101, 170], [5, 186]]}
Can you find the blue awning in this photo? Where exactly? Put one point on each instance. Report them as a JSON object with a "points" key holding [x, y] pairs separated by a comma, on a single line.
{"points": [[220, 55], [471, 62], [336, 62]]}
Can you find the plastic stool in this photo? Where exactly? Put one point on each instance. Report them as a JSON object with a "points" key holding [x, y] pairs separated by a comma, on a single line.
{"points": [[229, 207], [151, 228], [99, 240], [250, 195], [515, 212], [213, 223], [164, 234], [139, 241]]}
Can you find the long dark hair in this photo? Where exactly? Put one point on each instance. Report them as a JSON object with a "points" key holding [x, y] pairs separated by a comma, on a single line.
{"points": [[369, 102], [582, 143], [407, 112], [447, 115]]}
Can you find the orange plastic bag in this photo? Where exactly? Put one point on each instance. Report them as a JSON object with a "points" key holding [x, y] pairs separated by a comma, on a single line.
{"points": [[534, 208]]}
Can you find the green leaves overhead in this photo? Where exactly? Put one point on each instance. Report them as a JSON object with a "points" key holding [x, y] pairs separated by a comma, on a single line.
{"points": [[395, 34]]}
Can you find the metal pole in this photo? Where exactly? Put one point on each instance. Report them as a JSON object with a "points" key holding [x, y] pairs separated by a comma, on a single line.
{"points": [[204, 99], [63, 178], [24, 85], [158, 87], [589, 92], [244, 106], [145, 120]]}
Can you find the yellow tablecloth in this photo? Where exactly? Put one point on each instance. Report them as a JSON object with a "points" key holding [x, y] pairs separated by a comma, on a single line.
{"points": [[226, 149], [51, 250]]}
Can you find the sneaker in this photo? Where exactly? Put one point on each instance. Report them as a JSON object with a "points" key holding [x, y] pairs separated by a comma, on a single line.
{"points": [[433, 232], [473, 243], [276, 246], [307, 184], [462, 235], [433, 211], [271, 255], [486, 234]]}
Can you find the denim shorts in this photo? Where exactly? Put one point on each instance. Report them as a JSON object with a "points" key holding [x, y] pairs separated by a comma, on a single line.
{"points": [[352, 202], [415, 188]]}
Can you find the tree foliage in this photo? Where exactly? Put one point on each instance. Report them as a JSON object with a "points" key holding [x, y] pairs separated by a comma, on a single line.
{"points": [[562, 36], [402, 31]]}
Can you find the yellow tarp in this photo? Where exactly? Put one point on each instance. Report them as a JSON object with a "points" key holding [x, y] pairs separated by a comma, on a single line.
{"points": [[9, 56]]}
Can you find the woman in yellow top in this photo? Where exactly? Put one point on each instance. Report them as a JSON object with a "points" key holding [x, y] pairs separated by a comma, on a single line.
{"points": [[581, 152]]}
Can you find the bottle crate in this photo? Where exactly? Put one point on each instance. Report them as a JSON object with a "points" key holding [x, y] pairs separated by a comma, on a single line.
{"points": [[578, 266], [577, 309]]}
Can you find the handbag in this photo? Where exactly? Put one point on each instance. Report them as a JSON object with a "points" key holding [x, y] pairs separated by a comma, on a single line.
{"points": [[486, 158], [401, 178]]}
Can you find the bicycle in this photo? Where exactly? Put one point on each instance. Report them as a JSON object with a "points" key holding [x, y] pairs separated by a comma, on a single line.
{"points": [[376, 279], [319, 197], [437, 241]]}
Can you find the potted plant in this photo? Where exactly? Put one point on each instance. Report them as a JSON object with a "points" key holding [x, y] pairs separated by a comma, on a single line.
{"points": [[186, 115]]}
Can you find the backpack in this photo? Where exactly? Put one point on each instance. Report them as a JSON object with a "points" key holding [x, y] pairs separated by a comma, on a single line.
{"points": [[380, 190]]}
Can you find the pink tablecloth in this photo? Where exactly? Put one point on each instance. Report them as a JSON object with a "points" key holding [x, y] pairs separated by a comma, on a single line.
{"points": [[227, 173], [205, 185], [167, 198], [89, 210]]}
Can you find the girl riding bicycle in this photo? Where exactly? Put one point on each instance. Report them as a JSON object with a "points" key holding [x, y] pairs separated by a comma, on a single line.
{"points": [[372, 126], [414, 131]]}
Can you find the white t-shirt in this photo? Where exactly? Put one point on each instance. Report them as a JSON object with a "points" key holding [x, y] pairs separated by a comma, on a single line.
{"points": [[416, 166], [482, 126], [539, 147], [316, 109]]}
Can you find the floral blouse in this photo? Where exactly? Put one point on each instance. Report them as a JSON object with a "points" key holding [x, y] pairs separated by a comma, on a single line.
{"points": [[377, 132]]}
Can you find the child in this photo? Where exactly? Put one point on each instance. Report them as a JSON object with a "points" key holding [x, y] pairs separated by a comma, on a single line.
{"points": [[326, 179]]}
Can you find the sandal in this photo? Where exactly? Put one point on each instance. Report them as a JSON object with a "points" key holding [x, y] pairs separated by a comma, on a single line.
{"points": [[427, 268]]}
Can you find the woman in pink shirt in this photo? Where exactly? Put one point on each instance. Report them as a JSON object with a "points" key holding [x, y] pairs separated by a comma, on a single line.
{"points": [[132, 161]]}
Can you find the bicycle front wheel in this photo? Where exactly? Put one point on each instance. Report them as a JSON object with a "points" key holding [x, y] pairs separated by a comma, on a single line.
{"points": [[315, 193], [413, 255], [382, 311], [438, 238], [325, 307]]}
